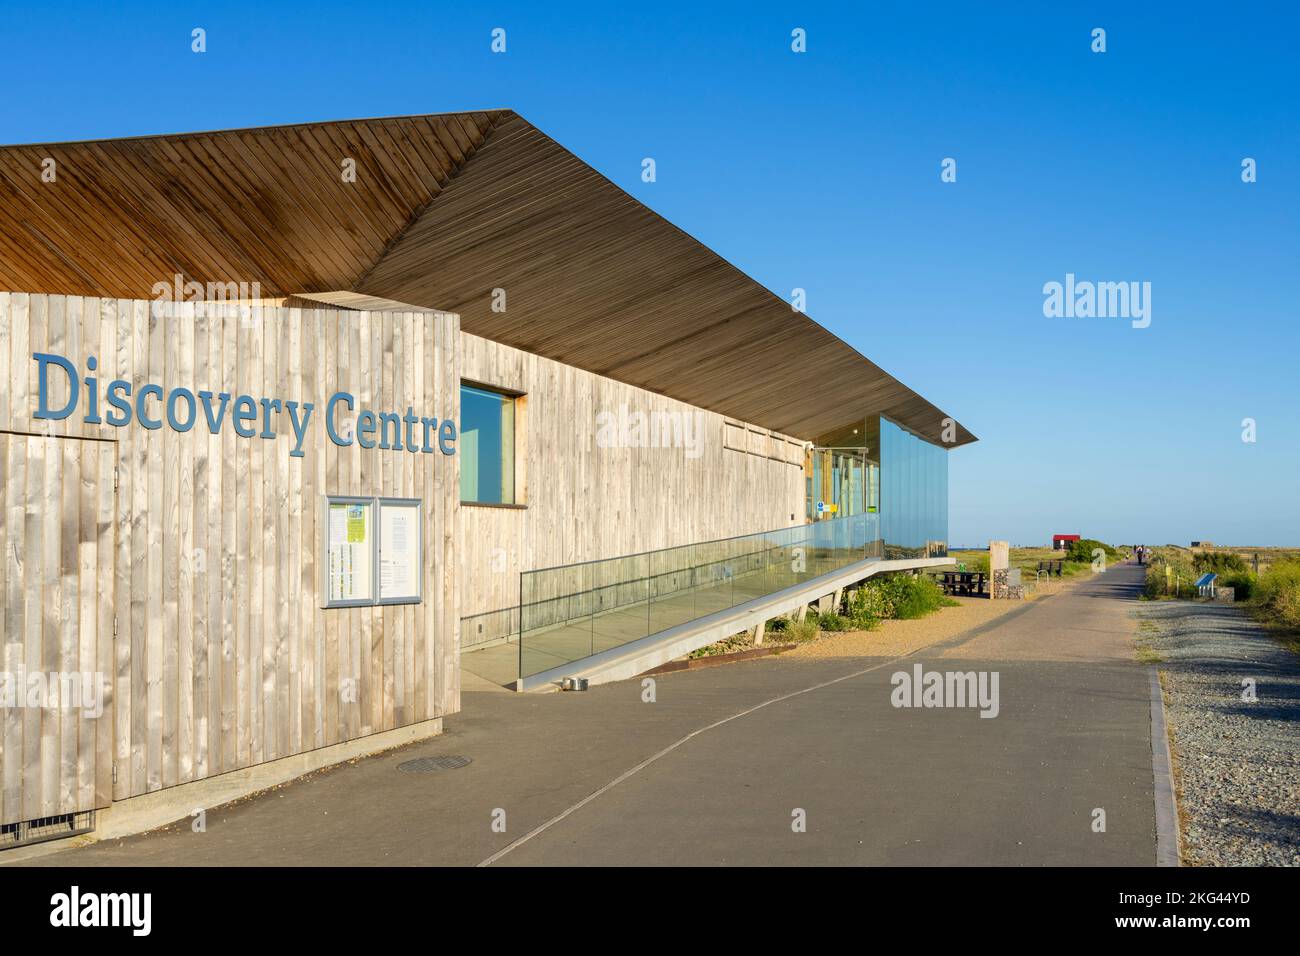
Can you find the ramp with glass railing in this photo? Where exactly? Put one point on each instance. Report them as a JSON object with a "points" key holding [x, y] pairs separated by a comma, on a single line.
{"points": [[575, 611]]}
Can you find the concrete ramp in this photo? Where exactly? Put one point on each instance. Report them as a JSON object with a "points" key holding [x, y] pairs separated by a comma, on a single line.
{"points": [[638, 656]]}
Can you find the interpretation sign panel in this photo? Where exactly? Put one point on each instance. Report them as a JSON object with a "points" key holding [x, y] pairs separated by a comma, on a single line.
{"points": [[400, 550], [349, 552], [373, 551]]}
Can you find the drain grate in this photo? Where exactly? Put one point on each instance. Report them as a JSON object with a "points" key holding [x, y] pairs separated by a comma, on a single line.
{"points": [[430, 764]]}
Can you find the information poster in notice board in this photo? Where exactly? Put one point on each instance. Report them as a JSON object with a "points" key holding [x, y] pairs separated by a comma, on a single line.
{"points": [[350, 552], [400, 551]]}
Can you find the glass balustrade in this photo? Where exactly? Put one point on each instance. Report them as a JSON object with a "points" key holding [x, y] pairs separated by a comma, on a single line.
{"points": [[571, 612]]}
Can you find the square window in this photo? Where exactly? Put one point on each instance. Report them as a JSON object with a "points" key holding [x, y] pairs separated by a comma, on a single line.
{"points": [[487, 446]]}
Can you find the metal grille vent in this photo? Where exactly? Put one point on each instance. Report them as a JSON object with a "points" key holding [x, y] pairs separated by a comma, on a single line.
{"points": [[26, 832], [430, 764]]}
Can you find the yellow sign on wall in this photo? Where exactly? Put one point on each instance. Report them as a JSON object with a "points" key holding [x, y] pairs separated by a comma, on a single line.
{"points": [[356, 524]]}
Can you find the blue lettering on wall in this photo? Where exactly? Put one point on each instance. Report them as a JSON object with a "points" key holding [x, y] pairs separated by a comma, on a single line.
{"points": [[182, 408]]}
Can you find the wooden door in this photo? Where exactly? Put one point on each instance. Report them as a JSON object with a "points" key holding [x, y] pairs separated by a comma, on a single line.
{"points": [[56, 602]]}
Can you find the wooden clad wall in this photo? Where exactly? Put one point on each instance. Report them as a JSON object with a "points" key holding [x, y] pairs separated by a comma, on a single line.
{"points": [[205, 554], [587, 502], [56, 585]]}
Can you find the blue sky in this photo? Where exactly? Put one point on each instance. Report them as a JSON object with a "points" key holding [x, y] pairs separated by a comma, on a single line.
{"points": [[821, 171]]}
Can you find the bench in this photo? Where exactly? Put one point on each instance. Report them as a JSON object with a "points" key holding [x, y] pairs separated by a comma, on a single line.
{"points": [[963, 582], [1050, 567]]}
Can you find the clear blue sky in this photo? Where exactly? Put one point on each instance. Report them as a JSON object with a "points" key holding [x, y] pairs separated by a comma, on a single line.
{"points": [[821, 171]]}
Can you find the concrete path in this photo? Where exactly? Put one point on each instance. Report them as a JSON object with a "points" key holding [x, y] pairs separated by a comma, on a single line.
{"points": [[717, 769]]}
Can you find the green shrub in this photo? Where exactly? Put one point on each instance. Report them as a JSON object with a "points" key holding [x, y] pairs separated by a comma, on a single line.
{"points": [[1081, 551], [863, 622], [1220, 562], [904, 597], [1278, 594], [919, 596], [868, 607], [1241, 582], [896, 596]]}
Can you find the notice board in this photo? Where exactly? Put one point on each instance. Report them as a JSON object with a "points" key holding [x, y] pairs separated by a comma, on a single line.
{"points": [[401, 550], [349, 560]]}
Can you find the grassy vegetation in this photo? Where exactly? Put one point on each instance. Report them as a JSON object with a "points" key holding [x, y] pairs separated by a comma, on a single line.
{"points": [[1277, 597], [1148, 631], [1250, 556], [728, 645], [1170, 574], [978, 561], [789, 630], [1026, 559], [1272, 596], [801, 632], [1173, 571]]}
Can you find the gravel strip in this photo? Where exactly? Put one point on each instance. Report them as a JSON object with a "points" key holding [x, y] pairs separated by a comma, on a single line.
{"points": [[1237, 763]]}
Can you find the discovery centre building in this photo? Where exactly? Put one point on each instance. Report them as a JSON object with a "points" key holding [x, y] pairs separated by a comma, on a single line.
{"points": [[304, 429]]}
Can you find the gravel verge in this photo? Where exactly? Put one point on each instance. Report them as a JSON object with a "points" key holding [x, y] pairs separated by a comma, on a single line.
{"points": [[1237, 762]]}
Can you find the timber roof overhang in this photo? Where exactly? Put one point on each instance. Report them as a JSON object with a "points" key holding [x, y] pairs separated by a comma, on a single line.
{"points": [[442, 210]]}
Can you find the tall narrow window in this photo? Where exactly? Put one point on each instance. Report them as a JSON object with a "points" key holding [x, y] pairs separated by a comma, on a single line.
{"points": [[487, 446]]}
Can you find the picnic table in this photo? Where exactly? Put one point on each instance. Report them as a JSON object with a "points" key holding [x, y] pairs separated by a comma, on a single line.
{"points": [[963, 582]]}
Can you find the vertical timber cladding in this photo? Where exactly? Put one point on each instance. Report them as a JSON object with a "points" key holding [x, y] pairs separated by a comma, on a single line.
{"points": [[585, 502], [223, 657], [56, 585]]}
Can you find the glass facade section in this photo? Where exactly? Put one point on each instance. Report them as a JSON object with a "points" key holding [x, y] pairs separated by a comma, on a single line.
{"points": [[845, 481], [914, 494]]}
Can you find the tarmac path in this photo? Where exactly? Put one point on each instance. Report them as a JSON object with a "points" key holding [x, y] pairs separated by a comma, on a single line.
{"points": [[775, 761]]}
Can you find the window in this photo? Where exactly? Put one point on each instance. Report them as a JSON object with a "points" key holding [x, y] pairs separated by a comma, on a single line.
{"points": [[487, 446], [845, 480]]}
